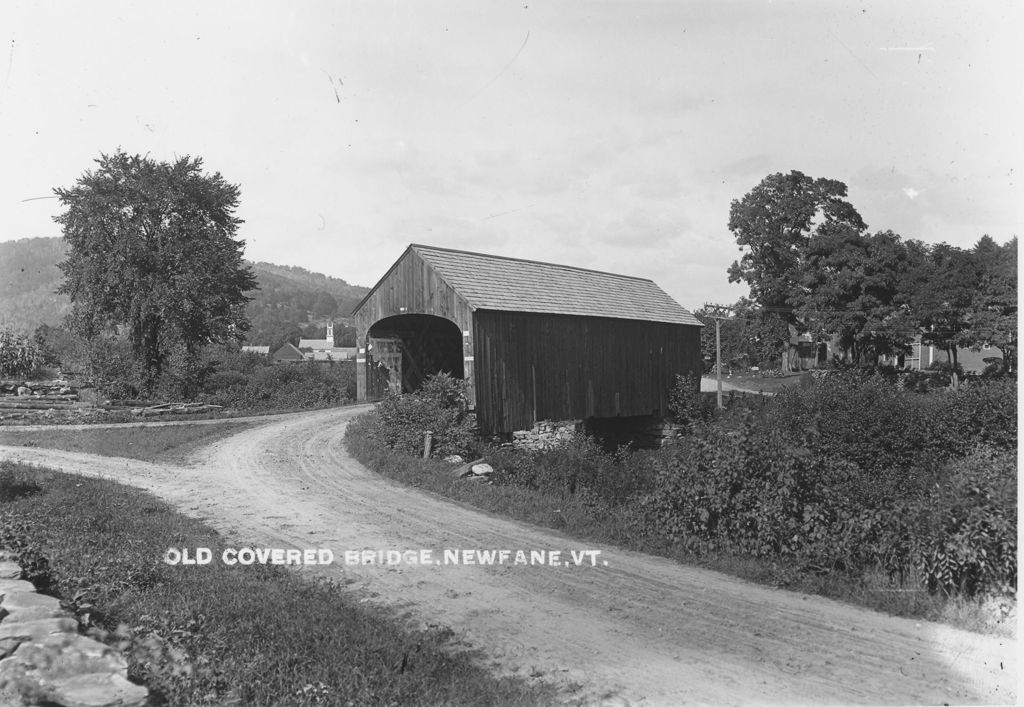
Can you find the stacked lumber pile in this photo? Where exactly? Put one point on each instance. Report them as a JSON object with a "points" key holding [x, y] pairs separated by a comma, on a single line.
{"points": [[179, 408], [61, 400], [38, 395]]}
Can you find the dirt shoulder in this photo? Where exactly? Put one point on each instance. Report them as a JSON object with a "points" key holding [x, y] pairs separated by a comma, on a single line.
{"points": [[640, 628]]}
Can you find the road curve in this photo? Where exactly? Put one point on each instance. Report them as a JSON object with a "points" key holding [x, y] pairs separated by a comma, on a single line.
{"points": [[639, 630]]}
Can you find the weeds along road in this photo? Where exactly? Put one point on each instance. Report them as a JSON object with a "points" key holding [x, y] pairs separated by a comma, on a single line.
{"points": [[641, 630]]}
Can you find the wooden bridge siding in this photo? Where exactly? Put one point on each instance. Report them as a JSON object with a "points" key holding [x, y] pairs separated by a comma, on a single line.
{"points": [[533, 367], [413, 284]]}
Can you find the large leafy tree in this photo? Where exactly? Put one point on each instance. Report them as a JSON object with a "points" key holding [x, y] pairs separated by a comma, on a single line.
{"points": [[773, 225], [941, 294], [850, 288], [995, 299], [152, 251]]}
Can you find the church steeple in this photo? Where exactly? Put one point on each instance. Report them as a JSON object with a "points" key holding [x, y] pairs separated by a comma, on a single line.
{"points": [[330, 333]]}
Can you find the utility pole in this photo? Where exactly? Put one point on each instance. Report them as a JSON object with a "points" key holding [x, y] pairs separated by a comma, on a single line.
{"points": [[718, 312]]}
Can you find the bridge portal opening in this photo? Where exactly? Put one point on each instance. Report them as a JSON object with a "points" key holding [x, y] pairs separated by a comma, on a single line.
{"points": [[402, 351]]}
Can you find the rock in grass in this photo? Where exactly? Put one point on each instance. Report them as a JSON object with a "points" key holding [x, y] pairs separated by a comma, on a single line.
{"points": [[15, 601], [8, 586], [482, 469], [35, 614], [13, 634], [454, 459], [67, 654], [96, 690], [464, 470], [10, 570], [70, 670]]}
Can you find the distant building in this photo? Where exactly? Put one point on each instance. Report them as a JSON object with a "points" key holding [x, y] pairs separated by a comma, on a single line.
{"points": [[336, 353], [324, 344], [258, 350], [288, 354], [922, 356], [324, 349]]}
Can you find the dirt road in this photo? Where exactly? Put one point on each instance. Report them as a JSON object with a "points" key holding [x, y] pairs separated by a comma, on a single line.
{"points": [[639, 630]]}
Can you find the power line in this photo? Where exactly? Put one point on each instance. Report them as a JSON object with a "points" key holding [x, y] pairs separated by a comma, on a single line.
{"points": [[718, 312]]}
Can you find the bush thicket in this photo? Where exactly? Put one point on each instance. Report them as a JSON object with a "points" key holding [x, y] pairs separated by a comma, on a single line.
{"points": [[440, 407], [259, 385], [851, 474], [246, 381], [578, 466], [854, 475]]}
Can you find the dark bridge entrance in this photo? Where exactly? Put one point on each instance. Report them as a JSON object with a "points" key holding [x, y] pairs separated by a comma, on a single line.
{"points": [[403, 350]]}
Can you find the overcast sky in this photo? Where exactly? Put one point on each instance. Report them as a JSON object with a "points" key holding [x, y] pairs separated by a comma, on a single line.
{"points": [[608, 135]]}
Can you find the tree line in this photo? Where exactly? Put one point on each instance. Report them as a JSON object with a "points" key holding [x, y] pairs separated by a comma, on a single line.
{"points": [[153, 260], [814, 268]]}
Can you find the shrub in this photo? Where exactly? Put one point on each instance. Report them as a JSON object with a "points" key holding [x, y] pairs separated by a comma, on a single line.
{"points": [[922, 381], [577, 466], [943, 372], [995, 367], [109, 362], [768, 491], [250, 384], [897, 437], [440, 407], [687, 404], [967, 540], [753, 491]]}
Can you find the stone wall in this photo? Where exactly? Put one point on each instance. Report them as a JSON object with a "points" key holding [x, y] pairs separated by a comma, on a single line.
{"points": [[546, 434], [43, 658], [649, 432]]}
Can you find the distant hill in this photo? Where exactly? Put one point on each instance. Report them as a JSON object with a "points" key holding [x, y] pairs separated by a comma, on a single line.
{"points": [[290, 299], [29, 278], [293, 301]]}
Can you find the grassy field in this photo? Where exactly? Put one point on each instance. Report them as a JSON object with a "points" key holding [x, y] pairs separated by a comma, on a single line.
{"points": [[218, 634], [170, 443]]}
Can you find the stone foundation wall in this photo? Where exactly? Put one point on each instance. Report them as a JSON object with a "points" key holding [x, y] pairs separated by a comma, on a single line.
{"points": [[546, 434], [647, 432], [43, 658]]}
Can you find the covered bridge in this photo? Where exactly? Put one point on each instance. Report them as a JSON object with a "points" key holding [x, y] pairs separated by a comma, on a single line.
{"points": [[535, 341]]}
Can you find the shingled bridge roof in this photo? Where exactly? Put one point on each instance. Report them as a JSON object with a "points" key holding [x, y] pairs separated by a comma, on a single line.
{"points": [[509, 284]]}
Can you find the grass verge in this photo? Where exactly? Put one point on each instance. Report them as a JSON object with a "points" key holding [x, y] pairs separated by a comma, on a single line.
{"points": [[158, 443], [587, 517], [217, 634], [82, 416]]}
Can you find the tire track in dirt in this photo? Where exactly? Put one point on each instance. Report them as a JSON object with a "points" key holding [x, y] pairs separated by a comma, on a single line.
{"points": [[643, 628]]}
